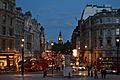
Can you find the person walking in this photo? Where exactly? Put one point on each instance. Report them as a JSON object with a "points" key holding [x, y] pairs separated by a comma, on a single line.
{"points": [[95, 73], [44, 73], [102, 72], [91, 73], [88, 71]]}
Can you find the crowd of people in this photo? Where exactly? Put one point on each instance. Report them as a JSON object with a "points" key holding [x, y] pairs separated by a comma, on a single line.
{"points": [[94, 73]]}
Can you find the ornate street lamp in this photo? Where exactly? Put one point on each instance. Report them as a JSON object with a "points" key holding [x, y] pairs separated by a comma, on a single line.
{"points": [[22, 46], [117, 45]]}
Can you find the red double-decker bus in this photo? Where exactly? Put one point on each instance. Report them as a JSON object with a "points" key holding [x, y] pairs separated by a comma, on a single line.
{"points": [[35, 65], [112, 64]]}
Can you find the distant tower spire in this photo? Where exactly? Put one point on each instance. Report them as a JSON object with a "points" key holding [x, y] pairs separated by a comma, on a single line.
{"points": [[60, 38]]}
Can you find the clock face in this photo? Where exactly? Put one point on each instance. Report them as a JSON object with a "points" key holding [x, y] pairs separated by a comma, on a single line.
{"points": [[60, 38]]}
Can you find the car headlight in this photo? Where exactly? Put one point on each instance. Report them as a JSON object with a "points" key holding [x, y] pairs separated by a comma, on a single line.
{"points": [[83, 67], [114, 71], [80, 68]]}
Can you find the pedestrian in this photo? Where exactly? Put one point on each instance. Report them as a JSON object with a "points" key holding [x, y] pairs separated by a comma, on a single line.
{"points": [[44, 73], [91, 73], [95, 73], [69, 75], [102, 72], [88, 71], [62, 66]]}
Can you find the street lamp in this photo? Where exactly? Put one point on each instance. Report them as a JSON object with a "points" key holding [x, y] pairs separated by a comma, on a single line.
{"points": [[52, 56], [22, 46], [85, 46], [87, 63], [117, 45], [85, 52]]}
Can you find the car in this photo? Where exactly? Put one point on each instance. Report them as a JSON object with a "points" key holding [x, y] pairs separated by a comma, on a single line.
{"points": [[111, 71], [74, 68], [80, 68]]}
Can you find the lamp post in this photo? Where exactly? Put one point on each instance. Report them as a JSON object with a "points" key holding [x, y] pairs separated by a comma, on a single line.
{"points": [[87, 63], [117, 45], [75, 55], [22, 67], [52, 55]]}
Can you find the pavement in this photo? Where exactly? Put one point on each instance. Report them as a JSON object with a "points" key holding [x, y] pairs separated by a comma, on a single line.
{"points": [[55, 76]]}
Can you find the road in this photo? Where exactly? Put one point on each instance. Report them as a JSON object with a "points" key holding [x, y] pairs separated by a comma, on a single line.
{"points": [[55, 76]]}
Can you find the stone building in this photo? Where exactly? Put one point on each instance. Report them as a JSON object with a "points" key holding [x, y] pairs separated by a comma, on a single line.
{"points": [[36, 38], [42, 41], [15, 26], [28, 35], [7, 33], [19, 29], [98, 33]]}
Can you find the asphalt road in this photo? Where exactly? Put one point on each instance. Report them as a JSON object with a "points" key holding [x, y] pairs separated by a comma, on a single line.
{"points": [[55, 76]]}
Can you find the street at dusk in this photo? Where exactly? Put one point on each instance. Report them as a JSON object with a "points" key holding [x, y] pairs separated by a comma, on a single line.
{"points": [[59, 40], [57, 76]]}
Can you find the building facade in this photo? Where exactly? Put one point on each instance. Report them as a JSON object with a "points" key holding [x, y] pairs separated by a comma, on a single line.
{"points": [[15, 26], [98, 33], [7, 33], [28, 34], [42, 41]]}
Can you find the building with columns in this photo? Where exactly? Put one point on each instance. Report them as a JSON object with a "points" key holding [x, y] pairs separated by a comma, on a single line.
{"points": [[7, 32], [98, 34], [15, 26]]}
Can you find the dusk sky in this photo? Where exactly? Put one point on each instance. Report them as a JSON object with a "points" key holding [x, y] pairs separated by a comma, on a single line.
{"points": [[59, 15]]}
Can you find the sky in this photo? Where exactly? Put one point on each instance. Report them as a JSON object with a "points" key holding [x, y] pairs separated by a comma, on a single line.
{"points": [[60, 15]]}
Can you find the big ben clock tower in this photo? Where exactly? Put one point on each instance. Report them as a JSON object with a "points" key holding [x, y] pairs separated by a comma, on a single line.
{"points": [[60, 38]]}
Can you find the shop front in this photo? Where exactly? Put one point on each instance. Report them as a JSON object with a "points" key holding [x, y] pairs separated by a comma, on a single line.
{"points": [[7, 61]]}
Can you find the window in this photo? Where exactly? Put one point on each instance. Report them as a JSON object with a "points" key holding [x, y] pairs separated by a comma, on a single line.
{"points": [[117, 20], [101, 32], [11, 31], [95, 43], [117, 31], [4, 6], [0, 4], [11, 21], [3, 18], [3, 30], [109, 32], [109, 43], [100, 20], [10, 7], [101, 43], [108, 20], [11, 44], [3, 44]]}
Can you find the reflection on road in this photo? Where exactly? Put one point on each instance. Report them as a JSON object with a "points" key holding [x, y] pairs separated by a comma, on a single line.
{"points": [[81, 73]]}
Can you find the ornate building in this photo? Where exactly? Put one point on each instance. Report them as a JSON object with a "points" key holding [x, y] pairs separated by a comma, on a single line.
{"points": [[7, 32], [15, 26], [98, 35], [42, 40], [19, 29]]}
